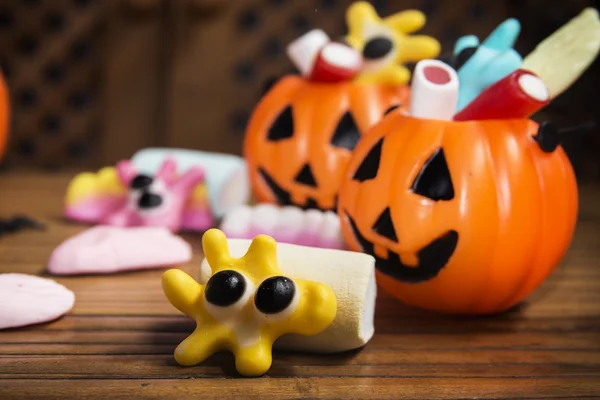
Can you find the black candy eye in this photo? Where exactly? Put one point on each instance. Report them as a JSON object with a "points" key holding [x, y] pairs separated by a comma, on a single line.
{"points": [[377, 48], [369, 167], [140, 182], [283, 127], [434, 181], [225, 288], [461, 58], [346, 133], [274, 294], [149, 200]]}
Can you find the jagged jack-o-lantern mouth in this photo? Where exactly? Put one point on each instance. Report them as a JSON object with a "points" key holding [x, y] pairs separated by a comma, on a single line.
{"points": [[432, 258], [284, 197], [433, 182]]}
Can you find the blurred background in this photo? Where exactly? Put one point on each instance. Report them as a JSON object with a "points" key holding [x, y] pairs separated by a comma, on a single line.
{"points": [[93, 81]]}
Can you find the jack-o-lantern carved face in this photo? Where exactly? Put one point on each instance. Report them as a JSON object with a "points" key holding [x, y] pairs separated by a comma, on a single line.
{"points": [[302, 134], [462, 217]]}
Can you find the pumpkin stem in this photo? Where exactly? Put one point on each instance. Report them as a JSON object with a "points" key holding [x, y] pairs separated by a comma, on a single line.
{"points": [[581, 129], [548, 137]]}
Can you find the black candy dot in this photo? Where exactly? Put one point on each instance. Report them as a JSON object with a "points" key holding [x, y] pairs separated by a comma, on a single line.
{"points": [[377, 48], [274, 294], [150, 200], [140, 182], [225, 288]]}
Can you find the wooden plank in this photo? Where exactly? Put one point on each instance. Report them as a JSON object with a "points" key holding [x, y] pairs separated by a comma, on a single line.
{"points": [[306, 388], [163, 365], [157, 334]]}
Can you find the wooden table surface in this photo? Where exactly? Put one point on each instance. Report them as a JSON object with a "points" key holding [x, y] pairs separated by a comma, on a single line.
{"points": [[119, 339]]}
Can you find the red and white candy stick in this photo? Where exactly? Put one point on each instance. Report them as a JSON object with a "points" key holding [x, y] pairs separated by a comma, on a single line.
{"points": [[518, 95], [336, 62], [434, 92], [304, 50], [319, 59]]}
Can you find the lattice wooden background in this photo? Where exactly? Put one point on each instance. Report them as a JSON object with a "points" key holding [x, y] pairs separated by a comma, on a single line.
{"points": [[92, 81]]}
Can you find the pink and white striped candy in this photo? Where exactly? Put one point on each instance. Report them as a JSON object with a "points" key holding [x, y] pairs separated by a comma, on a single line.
{"points": [[286, 224]]}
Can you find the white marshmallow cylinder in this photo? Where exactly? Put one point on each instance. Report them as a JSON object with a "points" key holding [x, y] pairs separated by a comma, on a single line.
{"points": [[226, 174], [434, 91], [304, 50], [350, 275]]}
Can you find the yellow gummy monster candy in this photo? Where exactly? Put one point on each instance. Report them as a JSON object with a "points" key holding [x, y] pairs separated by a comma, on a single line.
{"points": [[245, 305], [385, 43]]}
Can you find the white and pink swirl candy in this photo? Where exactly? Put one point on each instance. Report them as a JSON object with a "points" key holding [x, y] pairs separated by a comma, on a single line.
{"points": [[286, 224]]}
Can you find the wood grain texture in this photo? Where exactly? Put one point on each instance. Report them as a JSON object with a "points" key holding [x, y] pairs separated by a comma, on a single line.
{"points": [[119, 339]]}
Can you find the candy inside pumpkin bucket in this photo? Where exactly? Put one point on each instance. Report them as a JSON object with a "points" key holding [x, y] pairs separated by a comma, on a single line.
{"points": [[466, 203], [302, 133], [468, 211]]}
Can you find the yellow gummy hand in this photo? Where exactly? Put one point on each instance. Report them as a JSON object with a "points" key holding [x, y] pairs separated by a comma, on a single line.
{"points": [[246, 305], [386, 44]]}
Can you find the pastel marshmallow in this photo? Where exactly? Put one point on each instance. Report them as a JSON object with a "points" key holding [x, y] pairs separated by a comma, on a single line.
{"points": [[28, 299], [226, 175], [108, 249], [351, 276], [287, 224]]}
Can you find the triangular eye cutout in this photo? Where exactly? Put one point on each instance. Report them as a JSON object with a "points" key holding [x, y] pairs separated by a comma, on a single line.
{"points": [[346, 134], [434, 181], [369, 167], [283, 127], [384, 226], [306, 177]]}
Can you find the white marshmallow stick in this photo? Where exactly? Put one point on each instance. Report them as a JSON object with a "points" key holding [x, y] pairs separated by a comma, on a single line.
{"points": [[434, 91], [350, 275], [304, 50]]}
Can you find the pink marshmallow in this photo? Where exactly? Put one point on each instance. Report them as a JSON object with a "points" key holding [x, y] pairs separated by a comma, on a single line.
{"points": [[28, 299], [108, 249]]}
